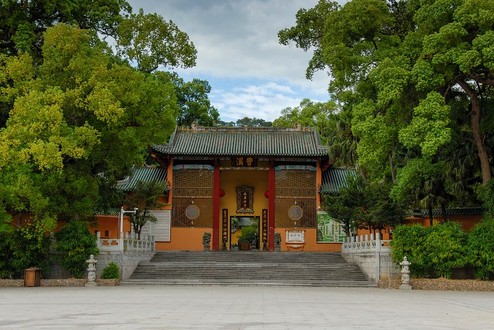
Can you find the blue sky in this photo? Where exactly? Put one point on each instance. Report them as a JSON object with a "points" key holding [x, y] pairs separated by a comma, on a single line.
{"points": [[250, 73]]}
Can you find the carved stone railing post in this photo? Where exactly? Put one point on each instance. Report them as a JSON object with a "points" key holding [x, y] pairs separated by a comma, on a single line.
{"points": [[91, 271], [405, 274]]}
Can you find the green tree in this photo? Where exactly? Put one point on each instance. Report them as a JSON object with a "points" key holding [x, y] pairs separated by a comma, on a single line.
{"points": [[408, 241], [252, 122], [332, 124], [343, 205], [21, 248], [433, 251], [77, 117], [74, 244], [420, 184], [145, 197], [153, 42], [22, 23], [481, 248], [418, 85], [377, 210], [194, 104]]}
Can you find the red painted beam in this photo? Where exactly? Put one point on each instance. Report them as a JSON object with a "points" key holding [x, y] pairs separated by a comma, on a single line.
{"points": [[216, 208], [271, 189]]}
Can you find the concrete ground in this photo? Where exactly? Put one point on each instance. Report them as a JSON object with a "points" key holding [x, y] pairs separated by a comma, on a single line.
{"points": [[212, 307]]}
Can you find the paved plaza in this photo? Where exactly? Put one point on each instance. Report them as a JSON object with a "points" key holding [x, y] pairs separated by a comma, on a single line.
{"points": [[242, 307]]}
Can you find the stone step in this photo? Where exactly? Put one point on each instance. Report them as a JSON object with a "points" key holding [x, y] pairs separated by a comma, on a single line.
{"points": [[253, 282], [248, 268]]}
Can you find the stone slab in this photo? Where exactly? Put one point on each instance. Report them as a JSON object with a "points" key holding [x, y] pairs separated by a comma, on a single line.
{"points": [[213, 307]]}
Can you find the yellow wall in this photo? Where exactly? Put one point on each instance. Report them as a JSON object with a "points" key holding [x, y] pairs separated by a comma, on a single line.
{"points": [[109, 223], [184, 239], [231, 179]]}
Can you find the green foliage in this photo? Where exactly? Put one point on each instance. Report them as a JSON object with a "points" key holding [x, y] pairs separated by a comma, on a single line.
{"points": [[429, 127], [414, 80], [481, 249], [445, 247], [74, 244], [74, 115], [111, 271], [486, 194], [420, 184], [145, 196], [333, 126], [343, 205], [194, 104], [433, 251], [151, 41], [24, 22], [408, 241], [77, 114], [252, 122], [377, 210], [249, 234], [22, 248], [363, 204]]}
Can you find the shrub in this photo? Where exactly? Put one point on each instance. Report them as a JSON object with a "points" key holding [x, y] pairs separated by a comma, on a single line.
{"points": [[20, 249], [445, 248], [481, 249], [433, 251], [249, 234], [75, 244], [111, 271], [409, 241]]}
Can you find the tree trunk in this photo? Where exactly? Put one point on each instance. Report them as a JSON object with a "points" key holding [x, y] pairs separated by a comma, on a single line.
{"points": [[443, 212], [475, 116]]}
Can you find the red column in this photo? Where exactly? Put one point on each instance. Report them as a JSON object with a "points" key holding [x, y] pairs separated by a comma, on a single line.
{"points": [[271, 189], [216, 208]]}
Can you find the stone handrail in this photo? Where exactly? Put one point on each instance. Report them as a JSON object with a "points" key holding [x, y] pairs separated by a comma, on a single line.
{"points": [[127, 244], [371, 253], [364, 243]]}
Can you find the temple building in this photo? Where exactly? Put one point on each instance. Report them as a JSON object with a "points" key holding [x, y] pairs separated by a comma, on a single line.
{"points": [[261, 185]]}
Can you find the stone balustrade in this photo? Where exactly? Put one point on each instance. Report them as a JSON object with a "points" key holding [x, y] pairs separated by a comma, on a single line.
{"points": [[127, 252], [372, 254], [129, 243], [365, 243]]}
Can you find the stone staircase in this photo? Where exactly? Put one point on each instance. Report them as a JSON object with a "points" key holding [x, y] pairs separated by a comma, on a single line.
{"points": [[249, 268]]}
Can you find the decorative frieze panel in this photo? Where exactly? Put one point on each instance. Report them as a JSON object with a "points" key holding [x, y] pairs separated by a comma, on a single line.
{"points": [[192, 198], [295, 201]]}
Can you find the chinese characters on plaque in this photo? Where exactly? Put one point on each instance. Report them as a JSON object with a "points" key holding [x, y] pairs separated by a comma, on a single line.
{"points": [[245, 199], [244, 161]]}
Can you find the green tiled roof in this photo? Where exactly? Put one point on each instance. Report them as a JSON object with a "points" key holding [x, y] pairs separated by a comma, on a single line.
{"points": [[463, 211], [335, 178], [245, 141], [109, 212], [146, 174]]}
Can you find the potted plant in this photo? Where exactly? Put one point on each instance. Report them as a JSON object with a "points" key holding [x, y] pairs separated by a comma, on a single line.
{"points": [[248, 238], [243, 244]]}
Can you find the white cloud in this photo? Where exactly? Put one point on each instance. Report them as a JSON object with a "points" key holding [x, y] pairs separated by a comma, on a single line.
{"points": [[237, 40], [260, 101]]}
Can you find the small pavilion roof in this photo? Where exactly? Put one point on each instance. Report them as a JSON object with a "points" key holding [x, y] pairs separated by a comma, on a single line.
{"points": [[145, 174], [243, 141], [335, 178]]}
